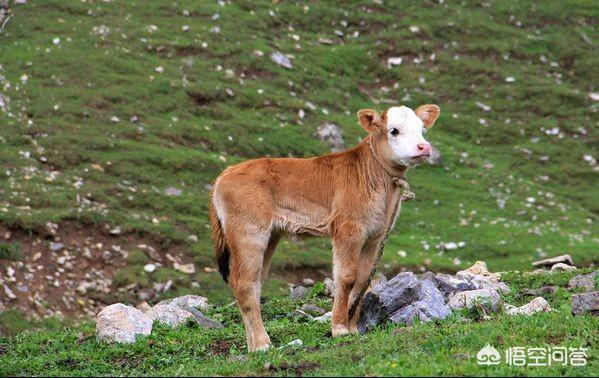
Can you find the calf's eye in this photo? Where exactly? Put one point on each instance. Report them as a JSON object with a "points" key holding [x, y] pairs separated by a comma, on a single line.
{"points": [[394, 132]]}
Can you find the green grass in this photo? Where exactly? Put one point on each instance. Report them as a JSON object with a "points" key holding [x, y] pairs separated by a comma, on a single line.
{"points": [[445, 348]]}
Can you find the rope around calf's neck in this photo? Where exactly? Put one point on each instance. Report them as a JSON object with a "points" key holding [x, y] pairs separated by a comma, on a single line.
{"points": [[404, 195]]}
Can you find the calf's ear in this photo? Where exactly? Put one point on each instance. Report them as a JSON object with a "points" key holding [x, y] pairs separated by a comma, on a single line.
{"points": [[368, 119], [428, 114]]}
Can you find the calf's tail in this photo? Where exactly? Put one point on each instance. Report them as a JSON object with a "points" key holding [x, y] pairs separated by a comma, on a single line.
{"points": [[220, 246]]}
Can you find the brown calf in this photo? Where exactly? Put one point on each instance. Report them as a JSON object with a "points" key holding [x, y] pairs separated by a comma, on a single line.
{"points": [[348, 196]]}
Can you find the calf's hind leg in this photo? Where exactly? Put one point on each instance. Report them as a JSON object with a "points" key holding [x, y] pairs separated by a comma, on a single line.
{"points": [[247, 257]]}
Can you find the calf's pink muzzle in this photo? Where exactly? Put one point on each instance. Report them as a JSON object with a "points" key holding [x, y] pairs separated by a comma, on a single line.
{"points": [[424, 149]]}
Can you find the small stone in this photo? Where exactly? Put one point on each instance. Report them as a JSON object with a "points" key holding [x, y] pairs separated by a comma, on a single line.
{"points": [[394, 61], [308, 281], [122, 324], [9, 293], [36, 256], [299, 292], [56, 247], [332, 135], [583, 281], [561, 267], [185, 268], [282, 60], [313, 310], [539, 304], [204, 321], [293, 343], [194, 301], [329, 287], [170, 315], [115, 231], [324, 318], [150, 268], [489, 299], [172, 191], [566, 259], [586, 303], [449, 284]]}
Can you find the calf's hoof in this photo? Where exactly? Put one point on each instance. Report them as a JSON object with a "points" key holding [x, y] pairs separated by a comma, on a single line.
{"points": [[261, 348], [339, 331]]}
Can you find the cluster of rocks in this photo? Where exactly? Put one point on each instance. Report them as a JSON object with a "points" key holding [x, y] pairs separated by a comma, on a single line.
{"points": [[555, 264], [407, 298], [582, 303], [119, 323]]}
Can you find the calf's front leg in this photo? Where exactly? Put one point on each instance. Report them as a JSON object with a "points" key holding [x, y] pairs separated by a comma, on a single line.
{"points": [[348, 240]]}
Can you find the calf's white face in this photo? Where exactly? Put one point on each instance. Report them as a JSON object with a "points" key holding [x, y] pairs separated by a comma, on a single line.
{"points": [[401, 129]]}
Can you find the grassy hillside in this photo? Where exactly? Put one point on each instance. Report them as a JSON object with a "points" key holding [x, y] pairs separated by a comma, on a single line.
{"points": [[111, 105], [446, 348]]}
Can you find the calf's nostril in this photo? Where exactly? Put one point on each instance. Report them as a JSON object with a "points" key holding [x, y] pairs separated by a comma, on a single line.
{"points": [[420, 146]]}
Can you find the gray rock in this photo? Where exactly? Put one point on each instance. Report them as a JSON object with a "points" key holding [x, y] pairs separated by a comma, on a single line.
{"points": [[194, 301], [430, 306], [544, 290], [324, 318], [449, 284], [329, 287], [169, 315], [299, 292], [313, 310], [332, 135], [586, 303], [204, 321], [566, 259], [583, 281], [388, 297], [56, 247], [122, 324], [489, 299], [172, 191], [539, 304], [561, 267], [281, 60], [483, 282]]}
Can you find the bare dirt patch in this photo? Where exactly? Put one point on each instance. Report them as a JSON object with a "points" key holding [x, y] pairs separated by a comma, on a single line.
{"points": [[69, 271]]}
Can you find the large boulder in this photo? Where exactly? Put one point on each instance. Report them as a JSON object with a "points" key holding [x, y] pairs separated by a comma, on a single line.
{"points": [[430, 306], [122, 324], [583, 281], [586, 303], [487, 298], [194, 301], [388, 297]]}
